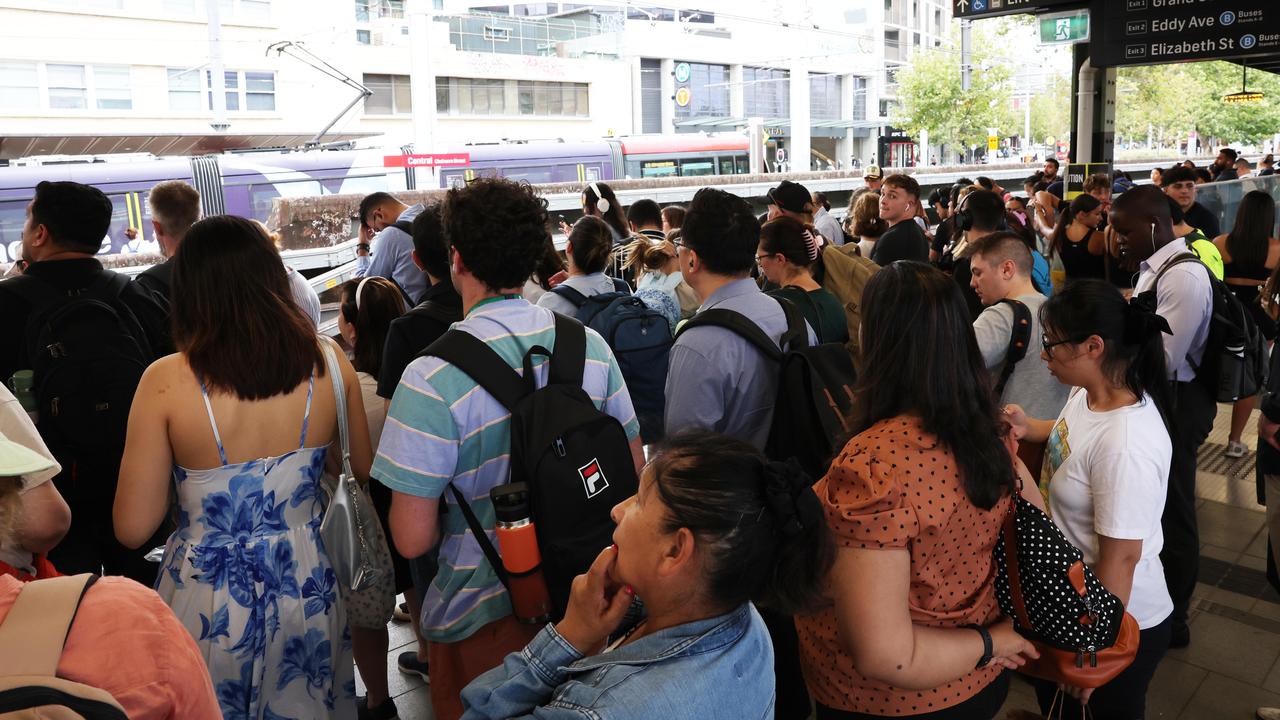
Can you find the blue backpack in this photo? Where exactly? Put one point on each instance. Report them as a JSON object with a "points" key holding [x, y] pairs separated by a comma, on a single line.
{"points": [[641, 340]]}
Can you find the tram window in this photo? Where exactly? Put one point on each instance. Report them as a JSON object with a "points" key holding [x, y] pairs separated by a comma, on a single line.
{"points": [[743, 163], [261, 195], [533, 175], [13, 214], [699, 166], [726, 165], [658, 168]]}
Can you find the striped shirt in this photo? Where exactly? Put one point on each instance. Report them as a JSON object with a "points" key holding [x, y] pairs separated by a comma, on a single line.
{"points": [[442, 428]]}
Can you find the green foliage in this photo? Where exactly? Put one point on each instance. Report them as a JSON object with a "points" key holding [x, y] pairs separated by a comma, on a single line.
{"points": [[930, 98], [1051, 111], [1172, 100]]}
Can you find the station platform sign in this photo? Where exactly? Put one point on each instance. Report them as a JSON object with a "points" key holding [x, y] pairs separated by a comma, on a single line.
{"points": [[994, 8], [1148, 32]]}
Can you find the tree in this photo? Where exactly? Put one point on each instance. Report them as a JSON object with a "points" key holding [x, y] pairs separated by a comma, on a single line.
{"points": [[930, 98], [1248, 123], [1051, 111]]}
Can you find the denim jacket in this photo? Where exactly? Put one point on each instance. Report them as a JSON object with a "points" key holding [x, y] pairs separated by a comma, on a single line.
{"points": [[721, 667]]}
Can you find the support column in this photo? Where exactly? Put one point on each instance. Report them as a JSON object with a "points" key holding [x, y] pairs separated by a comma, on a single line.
{"points": [[1093, 110], [637, 96], [845, 146], [799, 148], [668, 95], [737, 93]]}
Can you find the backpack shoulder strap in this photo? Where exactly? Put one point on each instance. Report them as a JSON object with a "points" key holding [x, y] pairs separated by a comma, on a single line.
{"points": [[482, 537], [568, 293], [38, 622], [620, 285], [1180, 259], [404, 226], [1019, 340], [473, 357], [569, 357], [797, 334], [35, 291], [738, 324]]}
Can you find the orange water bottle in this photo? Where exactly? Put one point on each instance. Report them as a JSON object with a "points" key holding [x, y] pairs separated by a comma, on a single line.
{"points": [[518, 543]]}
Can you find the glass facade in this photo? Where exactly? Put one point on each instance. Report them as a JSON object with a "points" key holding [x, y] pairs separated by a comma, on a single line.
{"points": [[766, 92]]}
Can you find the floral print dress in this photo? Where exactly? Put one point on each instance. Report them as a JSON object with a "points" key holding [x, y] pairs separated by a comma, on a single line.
{"points": [[247, 575]]}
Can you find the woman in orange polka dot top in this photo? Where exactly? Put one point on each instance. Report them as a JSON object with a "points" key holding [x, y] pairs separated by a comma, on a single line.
{"points": [[915, 501]]}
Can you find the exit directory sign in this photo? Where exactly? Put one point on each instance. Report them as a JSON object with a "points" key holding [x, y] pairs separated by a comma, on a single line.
{"points": [[1064, 28]]}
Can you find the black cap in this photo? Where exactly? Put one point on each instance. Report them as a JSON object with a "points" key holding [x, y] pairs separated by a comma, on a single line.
{"points": [[792, 197]]}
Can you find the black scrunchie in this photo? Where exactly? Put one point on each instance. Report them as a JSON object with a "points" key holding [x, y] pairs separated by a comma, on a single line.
{"points": [[1141, 324], [789, 497]]}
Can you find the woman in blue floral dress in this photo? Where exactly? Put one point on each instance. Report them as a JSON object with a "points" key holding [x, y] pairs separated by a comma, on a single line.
{"points": [[242, 419]]}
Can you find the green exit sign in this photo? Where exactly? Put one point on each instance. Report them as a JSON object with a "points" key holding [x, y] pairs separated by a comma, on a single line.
{"points": [[1064, 28]]}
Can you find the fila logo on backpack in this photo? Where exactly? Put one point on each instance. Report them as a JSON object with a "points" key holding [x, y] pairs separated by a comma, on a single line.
{"points": [[593, 479]]}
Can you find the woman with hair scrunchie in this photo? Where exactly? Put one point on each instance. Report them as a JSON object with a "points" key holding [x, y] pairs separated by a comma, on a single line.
{"points": [[714, 529], [1106, 469], [788, 249]]}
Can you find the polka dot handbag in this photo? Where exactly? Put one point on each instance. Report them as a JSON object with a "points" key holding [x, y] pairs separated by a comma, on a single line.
{"points": [[1082, 631]]}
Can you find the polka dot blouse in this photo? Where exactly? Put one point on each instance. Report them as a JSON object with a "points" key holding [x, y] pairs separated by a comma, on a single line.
{"points": [[893, 485]]}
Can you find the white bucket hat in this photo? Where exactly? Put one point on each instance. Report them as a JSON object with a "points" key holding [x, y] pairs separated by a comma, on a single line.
{"points": [[18, 460]]}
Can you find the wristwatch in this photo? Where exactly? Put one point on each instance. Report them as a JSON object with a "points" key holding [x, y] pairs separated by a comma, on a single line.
{"points": [[986, 644]]}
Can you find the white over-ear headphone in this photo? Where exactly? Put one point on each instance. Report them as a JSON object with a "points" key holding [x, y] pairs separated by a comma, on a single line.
{"points": [[359, 290], [601, 203]]}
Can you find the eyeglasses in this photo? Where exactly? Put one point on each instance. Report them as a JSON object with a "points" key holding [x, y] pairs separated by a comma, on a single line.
{"points": [[1049, 346], [762, 258]]}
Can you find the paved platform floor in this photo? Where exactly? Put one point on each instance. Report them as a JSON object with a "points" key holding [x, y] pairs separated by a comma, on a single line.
{"points": [[1233, 663]]}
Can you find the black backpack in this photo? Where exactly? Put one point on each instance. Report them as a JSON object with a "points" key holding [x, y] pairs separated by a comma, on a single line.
{"points": [[575, 458], [640, 338], [1019, 340], [811, 415], [1234, 364], [88, 352]]}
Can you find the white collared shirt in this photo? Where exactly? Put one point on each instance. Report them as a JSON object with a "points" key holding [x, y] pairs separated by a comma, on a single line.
{"points": [[1185, 299]]}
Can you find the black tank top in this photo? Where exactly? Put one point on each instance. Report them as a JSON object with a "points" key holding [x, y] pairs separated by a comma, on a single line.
{"points": [[1079, 263]]}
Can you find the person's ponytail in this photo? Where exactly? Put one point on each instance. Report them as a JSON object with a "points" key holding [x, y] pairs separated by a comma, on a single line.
{"points": [[759, 523], [1148, 371]]}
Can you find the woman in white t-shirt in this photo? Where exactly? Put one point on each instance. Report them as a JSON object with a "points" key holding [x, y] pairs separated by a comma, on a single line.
{"points": [[1106, 468]]}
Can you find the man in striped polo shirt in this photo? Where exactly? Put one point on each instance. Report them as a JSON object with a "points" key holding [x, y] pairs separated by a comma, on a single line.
{"points": [[442, 428]]}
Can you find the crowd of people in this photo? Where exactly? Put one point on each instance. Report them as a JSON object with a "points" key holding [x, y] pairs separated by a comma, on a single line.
{"points": [[178, 433]]}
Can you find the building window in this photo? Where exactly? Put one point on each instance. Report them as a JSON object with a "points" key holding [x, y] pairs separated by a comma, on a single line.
{"points": [[246, 10], [245, 90], [891, 76], [391, 95], [363, 37], [112, 88], [885, 107], [367, 10], [477, 96], [824, 97], [184, 90], [231, 84], [766, 92], [260, 91], [859, 98], [67, 90], [19, 86]]}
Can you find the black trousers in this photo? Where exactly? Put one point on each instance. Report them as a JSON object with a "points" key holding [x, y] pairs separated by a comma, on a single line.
{"points": [[982, 706], [792, 696], [1125, 697], [90, 546], [1192, 419]]}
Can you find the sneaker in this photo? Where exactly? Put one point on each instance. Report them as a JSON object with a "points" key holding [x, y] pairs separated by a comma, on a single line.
{"points": [[1268, 713], [385, 711], [409, 664], [401, 613], [1236, 449]]}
